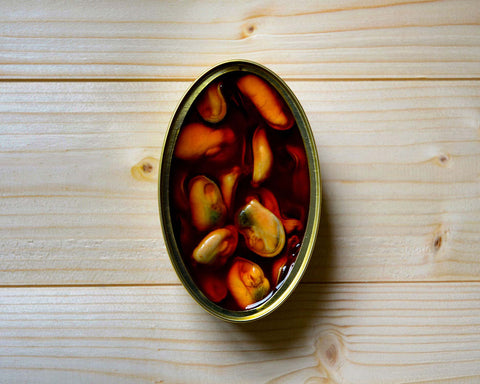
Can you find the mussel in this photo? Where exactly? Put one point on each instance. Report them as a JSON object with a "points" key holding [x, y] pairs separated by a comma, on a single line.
{"points": [[228, 183], [263, 231], [300, 178], [211, 104], [216, 247], [268, 200], [213, 285], [262, 157], [247, 282], [206, 203], [267, 101], [196, 140]]}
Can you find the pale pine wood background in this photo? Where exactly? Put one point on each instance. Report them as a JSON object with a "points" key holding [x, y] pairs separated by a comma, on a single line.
{"points": [[392, 91]]}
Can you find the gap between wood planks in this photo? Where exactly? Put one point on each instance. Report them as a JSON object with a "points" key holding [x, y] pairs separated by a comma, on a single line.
{"points": [[391, 282], [159, 80]]}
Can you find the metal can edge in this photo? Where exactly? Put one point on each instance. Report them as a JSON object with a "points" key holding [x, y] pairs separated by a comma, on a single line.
{"points": [[314, 212]]}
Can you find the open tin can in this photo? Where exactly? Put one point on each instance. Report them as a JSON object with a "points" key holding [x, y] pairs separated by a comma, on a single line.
{"points": [[239, 191]]}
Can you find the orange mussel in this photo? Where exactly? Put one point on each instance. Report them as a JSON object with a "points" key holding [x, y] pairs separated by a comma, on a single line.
{"points": [[268, 199], [197, 140], [262, 157], [211, 104], [206, 203], [217, 246], [267, 101], [263, 231], [247, 282], [228, 183], [300, 176], [213, 286]]}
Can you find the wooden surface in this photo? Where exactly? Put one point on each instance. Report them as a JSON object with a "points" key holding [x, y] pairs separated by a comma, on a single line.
{"points": [[311, 39], [400, 167], [392, 92], [335, 333]]}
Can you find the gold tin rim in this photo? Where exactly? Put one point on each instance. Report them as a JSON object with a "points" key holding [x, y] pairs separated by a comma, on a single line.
{"points": [[314, 211]]}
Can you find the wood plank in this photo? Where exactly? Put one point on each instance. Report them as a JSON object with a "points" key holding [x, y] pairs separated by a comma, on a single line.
{"points": [[400, 165], [328, 39], [354, 333]]}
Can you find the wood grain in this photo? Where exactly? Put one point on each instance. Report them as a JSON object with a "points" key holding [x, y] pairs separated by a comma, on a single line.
{"points": [[400, 168], [392, 91], [159, 39], [354, 333]]}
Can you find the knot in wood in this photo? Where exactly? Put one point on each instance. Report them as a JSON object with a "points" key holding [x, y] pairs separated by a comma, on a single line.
{"points": [[443, 160], [248, 30], [330, 351], [146, 169], [437, 243]]}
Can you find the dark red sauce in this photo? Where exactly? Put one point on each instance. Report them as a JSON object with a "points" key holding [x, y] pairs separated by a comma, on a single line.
{"points": [[288, 181]]}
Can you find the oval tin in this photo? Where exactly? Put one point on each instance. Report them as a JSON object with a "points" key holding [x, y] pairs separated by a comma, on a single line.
{"points": [[165, 194]]}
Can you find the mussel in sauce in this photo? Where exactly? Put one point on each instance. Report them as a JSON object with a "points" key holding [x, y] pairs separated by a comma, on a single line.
{"points": [[246, 282], [269, 104], [216, 247], [263, 231], [262, 157], [211, 104], [198, 140], [206, 203]]}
